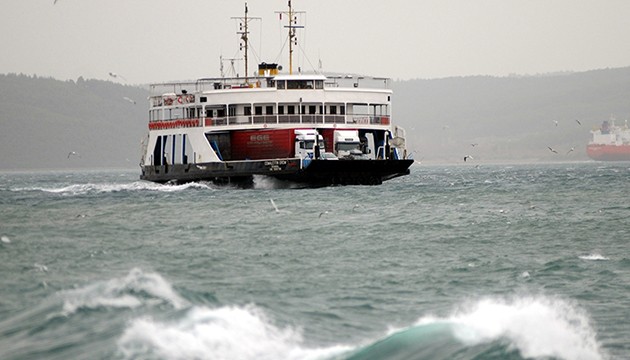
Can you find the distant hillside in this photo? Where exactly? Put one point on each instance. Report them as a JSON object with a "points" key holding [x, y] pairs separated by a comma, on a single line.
{"points": [[42, 120], [510, 118]]}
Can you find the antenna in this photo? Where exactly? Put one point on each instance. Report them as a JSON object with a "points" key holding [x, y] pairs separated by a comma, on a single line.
{"points": [[244, 33], [293, 20]]}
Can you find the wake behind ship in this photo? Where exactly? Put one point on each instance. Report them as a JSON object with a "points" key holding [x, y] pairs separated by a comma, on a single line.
{"points": [[308, 128]]}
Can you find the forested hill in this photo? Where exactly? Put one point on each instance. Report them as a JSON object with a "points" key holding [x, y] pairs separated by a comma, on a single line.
{"points": [[510, 119], [42, 120]]}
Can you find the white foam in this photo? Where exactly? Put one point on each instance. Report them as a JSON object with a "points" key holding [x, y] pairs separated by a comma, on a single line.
{"points": [[223, 333], [134, 290], [536, 326], [81, 189], [593, 256], [5, 239]]}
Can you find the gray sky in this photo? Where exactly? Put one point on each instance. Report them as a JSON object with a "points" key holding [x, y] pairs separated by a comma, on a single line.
{"points": [[157, 40]]}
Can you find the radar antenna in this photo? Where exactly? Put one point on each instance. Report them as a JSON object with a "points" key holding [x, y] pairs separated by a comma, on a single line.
{"points": [[293, 25], [244, 33]]}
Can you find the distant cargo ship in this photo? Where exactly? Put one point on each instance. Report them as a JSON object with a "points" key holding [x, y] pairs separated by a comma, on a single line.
{"points": [[307, 128], [610, 142]]}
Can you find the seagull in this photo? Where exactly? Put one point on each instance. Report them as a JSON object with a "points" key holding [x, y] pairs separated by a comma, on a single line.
{"points": [[130, 100], [73, 153], [570, 150], [323, 213], [555, 122], [274, 205], [474, 144], [114, 75], [578, 121], [552, 150], [468, 157], [55, 2]]}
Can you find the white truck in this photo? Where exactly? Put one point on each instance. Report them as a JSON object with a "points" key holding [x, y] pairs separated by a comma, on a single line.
{"points": [[347, 144], [305, 144]]}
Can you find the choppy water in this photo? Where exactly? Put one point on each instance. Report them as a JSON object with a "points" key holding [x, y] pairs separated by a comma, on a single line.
{"points": [[451, 262]]}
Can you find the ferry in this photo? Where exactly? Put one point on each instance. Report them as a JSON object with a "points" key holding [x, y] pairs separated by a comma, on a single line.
{"points": [[308, 128]]}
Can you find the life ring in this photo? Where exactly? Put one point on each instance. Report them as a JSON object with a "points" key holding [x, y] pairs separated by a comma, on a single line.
{"points": [[168, 101], [179, 99]]}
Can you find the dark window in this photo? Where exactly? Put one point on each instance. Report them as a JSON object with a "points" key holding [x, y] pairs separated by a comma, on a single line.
{"points": [[312, 109], [258, 110], [342, 110], [333, 110], [291, 109], [269, 110], [280, 109], [203, 99], [248, 110]]}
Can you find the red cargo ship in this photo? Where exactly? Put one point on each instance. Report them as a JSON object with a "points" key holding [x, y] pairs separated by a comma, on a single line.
{"points": [[309, 128], [610, 142]]}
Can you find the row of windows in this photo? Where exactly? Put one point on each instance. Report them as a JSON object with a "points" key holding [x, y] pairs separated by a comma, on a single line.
{"points": [[293, 109], [197, 112]]}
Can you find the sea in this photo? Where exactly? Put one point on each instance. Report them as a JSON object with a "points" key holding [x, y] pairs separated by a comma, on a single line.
{"points": [[468, 261]]}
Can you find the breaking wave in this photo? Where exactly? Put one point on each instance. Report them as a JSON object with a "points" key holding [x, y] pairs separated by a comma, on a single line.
{"points": [[507, 329], [594, 256], [82, 189], [136, 289]]}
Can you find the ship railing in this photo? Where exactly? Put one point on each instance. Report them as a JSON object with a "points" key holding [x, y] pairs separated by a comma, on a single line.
{"points": [[298, 119]]}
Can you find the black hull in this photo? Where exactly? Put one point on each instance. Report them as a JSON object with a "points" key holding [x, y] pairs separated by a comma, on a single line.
{"points": [[317, 173]]}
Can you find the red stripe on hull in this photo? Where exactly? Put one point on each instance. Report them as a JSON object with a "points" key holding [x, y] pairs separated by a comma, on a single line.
{"points": [[608, 152]]}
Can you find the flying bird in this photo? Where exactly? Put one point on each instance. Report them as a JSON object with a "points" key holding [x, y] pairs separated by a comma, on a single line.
{"points": [[468, 157], [130, 100], [555, 122], [474, 144], [578, 121], [552, 150], [73, 153], [55, 2], [570, 150], [114, 75]]}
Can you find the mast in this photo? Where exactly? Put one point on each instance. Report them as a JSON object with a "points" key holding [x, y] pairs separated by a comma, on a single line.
{"points": [[292, 17], [244, 33]]}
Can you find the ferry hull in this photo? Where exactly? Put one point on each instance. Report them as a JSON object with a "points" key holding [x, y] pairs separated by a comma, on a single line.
{"points": [[608, 152], [316, 173]]}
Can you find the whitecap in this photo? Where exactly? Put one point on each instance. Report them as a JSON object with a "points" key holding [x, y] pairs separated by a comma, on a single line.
{"points": [[82, 189], [134, 290], [222, 333], [5, 239], [593, 256], [537, 326]]}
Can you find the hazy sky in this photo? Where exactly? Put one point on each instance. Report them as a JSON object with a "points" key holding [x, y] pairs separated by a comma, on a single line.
{"points": [[157, 40]]}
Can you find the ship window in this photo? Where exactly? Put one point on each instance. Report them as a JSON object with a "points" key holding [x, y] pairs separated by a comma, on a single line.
{"points": [[203, 99], [302, 109], [269, 110], [312, 109], [319, 84], [232, 110], [291, 109], [333, 110], [248, 110], [281, 84], [321, 109], [342, 110], [258, 110], [280, 109]]}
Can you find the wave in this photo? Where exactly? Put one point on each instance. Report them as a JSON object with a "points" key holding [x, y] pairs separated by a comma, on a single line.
{"points": [[134, 290], [494, 328], [90, 188], [523, 328], [594, 256], [223, 333]]}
